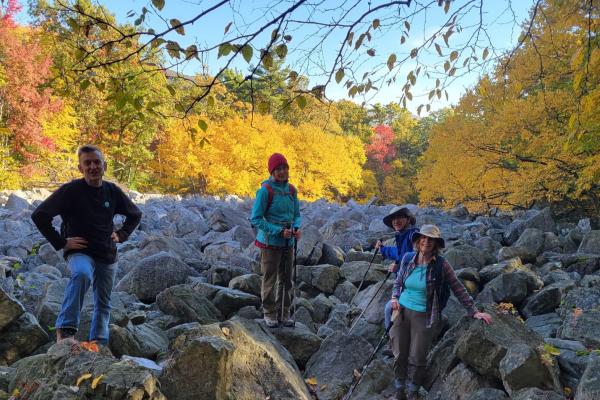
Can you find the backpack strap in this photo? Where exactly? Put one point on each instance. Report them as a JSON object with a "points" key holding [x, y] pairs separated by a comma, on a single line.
{"points": [[271, 193]]}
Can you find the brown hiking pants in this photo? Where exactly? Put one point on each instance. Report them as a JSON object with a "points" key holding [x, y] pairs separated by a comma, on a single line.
{"points": [[277, 266], [411, 340]]}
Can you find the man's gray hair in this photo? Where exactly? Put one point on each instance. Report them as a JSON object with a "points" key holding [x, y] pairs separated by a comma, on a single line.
{"points": [[89, 148]]}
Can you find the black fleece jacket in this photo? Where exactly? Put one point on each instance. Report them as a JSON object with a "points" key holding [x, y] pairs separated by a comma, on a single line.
{"points": [[88, 212]]}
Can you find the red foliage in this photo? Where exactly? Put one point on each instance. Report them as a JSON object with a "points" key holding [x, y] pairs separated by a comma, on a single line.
{"points": [[8, 10], [381, 151], [24, 98]]}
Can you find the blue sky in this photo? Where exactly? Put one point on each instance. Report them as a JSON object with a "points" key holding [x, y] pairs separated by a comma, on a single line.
{"points": [[503, 28]]}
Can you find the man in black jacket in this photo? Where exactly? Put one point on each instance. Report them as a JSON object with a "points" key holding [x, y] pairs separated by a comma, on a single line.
{"points": [[88, 240]]}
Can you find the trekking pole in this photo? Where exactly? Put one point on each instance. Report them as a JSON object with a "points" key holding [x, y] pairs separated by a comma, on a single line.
{"points": [[294, 277], [364, 276], [287, 245], [355, 380], [369, 303]]}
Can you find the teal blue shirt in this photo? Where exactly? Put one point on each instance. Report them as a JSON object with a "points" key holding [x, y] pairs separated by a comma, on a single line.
{"points": [[414, 295], [284, 210]]}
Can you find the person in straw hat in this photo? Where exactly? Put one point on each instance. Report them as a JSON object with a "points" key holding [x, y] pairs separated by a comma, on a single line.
{"points": [[402, 221], [421, 289]]}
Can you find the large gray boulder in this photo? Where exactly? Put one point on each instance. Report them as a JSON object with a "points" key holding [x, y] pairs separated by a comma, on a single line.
{"points": [[483, 347], [488, 394], [10, 309], [311, 245], [249, 283], [541, 220], [222, 219], [142, 340], [381, 293], [334, 364], [465, 256], [520, 368], [506, 288], [548, 299], [19, 339], [545, 325], [184, 302], [589, 386], [324, 278], [537, 394], [459, 384], [154, 274], [299, 341], [57, 371], [332, 255], [583, 326], [354, 271], [590, 243], [240, 360]]}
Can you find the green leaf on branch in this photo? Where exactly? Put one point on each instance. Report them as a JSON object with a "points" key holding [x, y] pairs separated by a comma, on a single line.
{"points": [[301, 100], [281, 51], [224, 49], [202, 125], [159, 4], [175, 23], [247, 52], [84, 84], [173, 49], [339, 75], [391, 61]]}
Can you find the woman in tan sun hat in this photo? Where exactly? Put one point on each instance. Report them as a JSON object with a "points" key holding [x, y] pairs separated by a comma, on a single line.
{"points": [[421, 290]]}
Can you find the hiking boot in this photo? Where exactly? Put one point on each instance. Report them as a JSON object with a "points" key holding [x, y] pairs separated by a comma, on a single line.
{"points": [[64, 333], [271, 322], [288, 322]]}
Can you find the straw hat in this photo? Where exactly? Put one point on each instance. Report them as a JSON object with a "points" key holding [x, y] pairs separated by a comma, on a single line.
{"points": [[430, 231]]}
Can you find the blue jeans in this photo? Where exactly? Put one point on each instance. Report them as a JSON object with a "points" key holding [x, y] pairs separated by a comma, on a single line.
{"points": [[387, 311], [85, 271]]}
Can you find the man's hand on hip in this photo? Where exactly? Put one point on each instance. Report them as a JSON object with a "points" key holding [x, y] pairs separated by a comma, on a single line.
{"points": [[115, 237], [75, 243]]}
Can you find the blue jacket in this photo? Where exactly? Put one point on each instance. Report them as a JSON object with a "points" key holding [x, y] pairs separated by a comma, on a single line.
{"points": [[404, 244], [284, 210]]}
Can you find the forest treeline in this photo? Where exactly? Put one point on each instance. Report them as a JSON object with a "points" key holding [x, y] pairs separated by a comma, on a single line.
{"points": [[526, 132]]}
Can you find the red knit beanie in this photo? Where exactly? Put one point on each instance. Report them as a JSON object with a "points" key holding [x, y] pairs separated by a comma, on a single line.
{"points": [[275, 161]]}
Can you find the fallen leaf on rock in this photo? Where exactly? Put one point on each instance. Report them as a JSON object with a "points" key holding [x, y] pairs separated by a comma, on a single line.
{"points": [[225, 331], [97, 380], [83, 378], [91, 346], [356, 374], [311, 381]]}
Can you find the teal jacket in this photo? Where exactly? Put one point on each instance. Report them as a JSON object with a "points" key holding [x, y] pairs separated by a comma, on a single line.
{"points": [[284, 210]]}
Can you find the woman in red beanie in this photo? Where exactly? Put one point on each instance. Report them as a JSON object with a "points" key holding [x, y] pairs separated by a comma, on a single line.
{"points": [[276, 215]]}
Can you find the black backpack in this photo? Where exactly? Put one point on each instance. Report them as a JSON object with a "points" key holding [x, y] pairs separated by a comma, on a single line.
{"points": [[442, 288]]}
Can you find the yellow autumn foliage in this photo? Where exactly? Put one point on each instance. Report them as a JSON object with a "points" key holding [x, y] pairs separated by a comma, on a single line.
{"points": [[232, 158], [530, 131]]}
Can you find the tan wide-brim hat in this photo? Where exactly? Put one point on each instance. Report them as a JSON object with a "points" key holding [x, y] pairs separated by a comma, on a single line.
{"points": [[399, 212], [430, 231]]}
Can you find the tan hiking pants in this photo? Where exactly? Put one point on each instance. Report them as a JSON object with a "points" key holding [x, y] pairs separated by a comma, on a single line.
{"points": [[411, 341], [277, 269]]}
